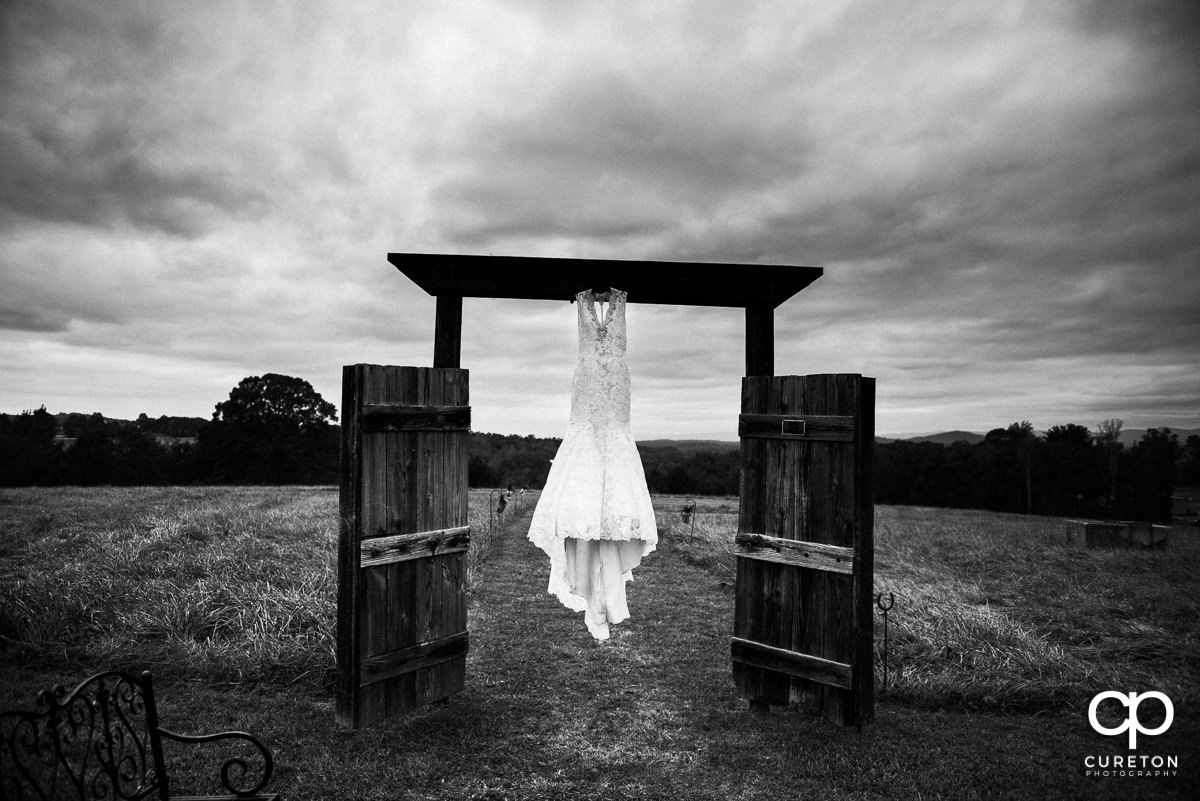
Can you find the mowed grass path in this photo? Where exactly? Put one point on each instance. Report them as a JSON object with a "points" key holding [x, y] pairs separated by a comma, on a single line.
{"points": [[548, 713]]}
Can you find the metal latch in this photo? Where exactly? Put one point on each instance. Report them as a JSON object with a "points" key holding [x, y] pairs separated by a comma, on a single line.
{"points": [[793, 427]]}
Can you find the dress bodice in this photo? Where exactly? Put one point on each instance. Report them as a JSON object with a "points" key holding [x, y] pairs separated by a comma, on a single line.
{"points": [[601, 329], [600, 391]]}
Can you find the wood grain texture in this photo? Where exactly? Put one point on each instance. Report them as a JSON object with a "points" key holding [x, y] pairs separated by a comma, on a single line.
{"points": [[781, 660], [812, 555], [349, 532], [804, 530], [391, 664], [815, 427], [399, 547], [410, 543], [397, 417]]}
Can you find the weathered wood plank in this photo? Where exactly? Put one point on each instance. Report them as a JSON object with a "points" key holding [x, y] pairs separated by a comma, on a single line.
{"points": [[375, 456], [781, 660], [675, 283], [415, 657], [398, 547], [757, 606], [349, 533], [381, 417], [812, 427], [811, 555], [864, 546]]}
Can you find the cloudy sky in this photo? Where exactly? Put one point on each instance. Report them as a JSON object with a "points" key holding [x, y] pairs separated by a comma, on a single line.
{"points": [[1004, 196]]}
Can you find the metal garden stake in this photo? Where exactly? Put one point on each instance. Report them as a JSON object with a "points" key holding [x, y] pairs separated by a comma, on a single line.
{"points": [[688, 513], [885, 608]]}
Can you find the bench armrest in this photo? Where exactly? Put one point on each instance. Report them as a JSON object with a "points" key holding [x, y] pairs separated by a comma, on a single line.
{"points": [[234, 764]]}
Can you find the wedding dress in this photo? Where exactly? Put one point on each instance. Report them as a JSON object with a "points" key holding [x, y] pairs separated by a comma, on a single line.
{"points": [[594, 518]]}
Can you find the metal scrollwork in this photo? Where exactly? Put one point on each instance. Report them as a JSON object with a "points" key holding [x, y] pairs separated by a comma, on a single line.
{"points": [[102, 741], [238, 764]]}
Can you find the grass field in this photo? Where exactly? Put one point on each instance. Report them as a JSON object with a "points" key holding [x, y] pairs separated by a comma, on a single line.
{"points": [[1000, 635], [997, 611]]}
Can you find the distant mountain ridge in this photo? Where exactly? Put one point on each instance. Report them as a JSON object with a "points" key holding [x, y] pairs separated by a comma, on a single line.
{"points": [[1128, 436], [949, 438], [688, 446]]}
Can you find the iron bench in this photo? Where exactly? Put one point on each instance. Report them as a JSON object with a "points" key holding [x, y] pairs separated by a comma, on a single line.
{"points": [[102, 740]]}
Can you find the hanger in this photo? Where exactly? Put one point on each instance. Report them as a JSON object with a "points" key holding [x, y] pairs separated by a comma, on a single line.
{"points": [[603, 295]]}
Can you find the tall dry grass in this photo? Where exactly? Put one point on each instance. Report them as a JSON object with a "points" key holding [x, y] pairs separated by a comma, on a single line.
{"points": [[231, 585], [1002, 611], [238, 585], [998, 611]]}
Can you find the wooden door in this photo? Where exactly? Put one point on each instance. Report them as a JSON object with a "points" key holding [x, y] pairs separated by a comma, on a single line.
{"points": [[803, 623], [402, 615]]}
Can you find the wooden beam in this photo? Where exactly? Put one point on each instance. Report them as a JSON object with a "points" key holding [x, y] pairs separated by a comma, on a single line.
{"points": [[447, 331], [811, 427], [379, 417], [663, 282], [813, 555], [375, 551], [781, 660], [406, 660], [760, 340]]}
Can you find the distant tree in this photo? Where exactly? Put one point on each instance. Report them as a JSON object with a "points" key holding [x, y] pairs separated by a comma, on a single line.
{"points": [[498, 460], [1108, 434], [1188, 472], [175, 427], [90, 460], [75, 425], [1005, 470], [1025, 442], [275, 400], [273, 429], [696, 473], [1072, 479], [118, 453], [1150, 476], [28, 453], [480, 472]]}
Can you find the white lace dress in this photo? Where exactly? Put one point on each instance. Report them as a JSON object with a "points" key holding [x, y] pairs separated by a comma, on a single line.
{"points": [[594, 518]]}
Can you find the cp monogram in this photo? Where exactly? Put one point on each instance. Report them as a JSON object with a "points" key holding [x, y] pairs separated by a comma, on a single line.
{"points": [[1132, 724]]}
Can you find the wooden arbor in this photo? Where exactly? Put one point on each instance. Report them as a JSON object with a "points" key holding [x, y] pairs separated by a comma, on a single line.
{"points": [[803, 623]]}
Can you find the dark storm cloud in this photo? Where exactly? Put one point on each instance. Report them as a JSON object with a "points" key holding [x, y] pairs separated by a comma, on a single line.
{"points": [[87, 134], [97, 179], [1166, 24], [25, 319], [1004, 196], [556, 170]]}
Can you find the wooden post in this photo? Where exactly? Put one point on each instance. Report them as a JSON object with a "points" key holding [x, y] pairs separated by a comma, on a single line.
{"points": [[447, 331], [760, 340]]}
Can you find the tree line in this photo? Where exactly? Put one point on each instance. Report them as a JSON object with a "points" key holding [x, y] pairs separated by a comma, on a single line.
{"points": [[273, 429], [276, 429], [499, 460], [1067, 471]]}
